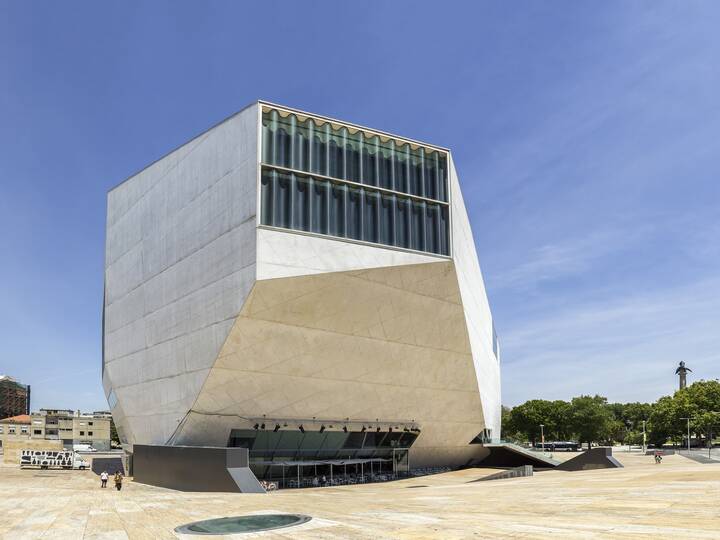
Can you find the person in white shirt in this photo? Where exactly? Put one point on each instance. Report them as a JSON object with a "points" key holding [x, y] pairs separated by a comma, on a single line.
{"points": [[103, 479]]}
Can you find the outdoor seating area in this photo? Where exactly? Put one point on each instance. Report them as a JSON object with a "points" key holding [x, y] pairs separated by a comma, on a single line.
{"points": [[340, 480], [296, 474], [340, 477]]}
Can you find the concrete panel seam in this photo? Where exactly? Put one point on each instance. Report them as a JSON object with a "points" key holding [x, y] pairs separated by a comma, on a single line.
{"points": [[179, 298], [186, 205], [197, 144], [383, 340], [170, 267], [166, 341]]}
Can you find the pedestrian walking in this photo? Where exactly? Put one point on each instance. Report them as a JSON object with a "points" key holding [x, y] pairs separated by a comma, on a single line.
{"points": [[118, 480], [103, 479]]}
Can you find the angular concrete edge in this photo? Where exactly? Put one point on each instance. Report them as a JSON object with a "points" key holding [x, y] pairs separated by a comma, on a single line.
{"points": [[513, 455], [595, 458], [194, 468], [515, 472]]}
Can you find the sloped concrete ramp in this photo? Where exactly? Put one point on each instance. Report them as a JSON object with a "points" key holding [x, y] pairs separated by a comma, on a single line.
{"points": [[513, 455], [195, 468], [515, 472], [595, 458]]}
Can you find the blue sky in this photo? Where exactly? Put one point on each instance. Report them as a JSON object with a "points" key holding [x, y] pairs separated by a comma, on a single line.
{"points": [[586, 135]]}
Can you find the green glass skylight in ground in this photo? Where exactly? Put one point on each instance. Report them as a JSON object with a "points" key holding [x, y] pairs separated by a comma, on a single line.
{"points": [[243, 524]]}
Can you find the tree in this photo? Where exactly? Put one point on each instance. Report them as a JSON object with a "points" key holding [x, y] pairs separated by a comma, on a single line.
{"points": [[590, 418], [700, 402], [526, 419], [507, 429], [113, 432], [631, 414], [708, 423], [627, 424], [703, 395], [666, 421]]}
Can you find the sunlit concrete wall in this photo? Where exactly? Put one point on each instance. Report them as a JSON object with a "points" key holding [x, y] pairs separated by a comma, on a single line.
{"points": [[212, 321], [180, 261]]}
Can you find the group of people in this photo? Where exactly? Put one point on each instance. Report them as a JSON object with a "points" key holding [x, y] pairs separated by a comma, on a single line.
{"points": [[118, 480], [268, 486]]}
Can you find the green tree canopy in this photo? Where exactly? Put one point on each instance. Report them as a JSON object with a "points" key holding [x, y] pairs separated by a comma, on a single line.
{"points": [[590, 418], [528, 417]]}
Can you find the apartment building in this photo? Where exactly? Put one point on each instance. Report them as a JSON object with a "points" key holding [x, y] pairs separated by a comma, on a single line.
{"points": [[70, 427]]}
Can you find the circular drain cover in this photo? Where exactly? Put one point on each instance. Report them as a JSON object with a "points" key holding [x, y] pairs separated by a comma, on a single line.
{"points": [[243, 524]]}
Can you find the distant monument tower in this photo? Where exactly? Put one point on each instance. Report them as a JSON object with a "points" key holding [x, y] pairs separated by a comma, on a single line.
{"points": [[681, 371]]}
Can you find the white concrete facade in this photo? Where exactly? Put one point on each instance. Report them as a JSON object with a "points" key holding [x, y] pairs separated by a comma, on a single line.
{"points": [[213, 321]]}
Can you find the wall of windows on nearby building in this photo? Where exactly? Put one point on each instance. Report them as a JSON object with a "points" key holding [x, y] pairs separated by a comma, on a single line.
{"points": [[330, 181]]}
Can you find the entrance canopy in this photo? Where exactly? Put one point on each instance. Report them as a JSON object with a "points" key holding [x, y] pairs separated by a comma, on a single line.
{"points": [[320, 462]]}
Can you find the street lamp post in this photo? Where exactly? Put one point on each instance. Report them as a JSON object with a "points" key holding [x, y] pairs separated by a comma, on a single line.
{"points": [[688, 431], [710, 438], [542, 436], [644, 438], [628, 425]]}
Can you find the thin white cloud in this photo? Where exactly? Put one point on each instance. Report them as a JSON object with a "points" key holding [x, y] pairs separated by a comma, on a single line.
{"points": [[575, 255], [626, 347]]}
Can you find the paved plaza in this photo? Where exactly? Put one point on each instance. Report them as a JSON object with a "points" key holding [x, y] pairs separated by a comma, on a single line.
{"points": [[678, 499]]}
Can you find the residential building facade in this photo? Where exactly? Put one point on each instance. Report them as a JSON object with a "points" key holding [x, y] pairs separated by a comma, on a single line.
{"points": [[69, 427], [14, 397], [15, 428]]}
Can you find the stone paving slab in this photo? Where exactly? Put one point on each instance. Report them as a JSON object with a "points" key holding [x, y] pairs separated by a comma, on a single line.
{"points": [[676, 499]]}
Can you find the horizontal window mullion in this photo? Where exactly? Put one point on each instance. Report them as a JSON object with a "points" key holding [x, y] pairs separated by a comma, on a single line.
{"points": [[354, 184], [352, 241]]}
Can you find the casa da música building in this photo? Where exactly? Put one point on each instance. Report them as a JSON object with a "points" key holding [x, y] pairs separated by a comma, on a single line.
{"points": [[303, 287]]}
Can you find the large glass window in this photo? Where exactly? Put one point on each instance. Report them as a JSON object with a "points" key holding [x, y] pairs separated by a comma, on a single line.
{"points": [[432, 228], [417, 227], [387, 220], [319, 206], [337, 210], [317, 146], [354, 214], [402, 223], [283, 207], [301, 203], [347, 183], [370, 216]]}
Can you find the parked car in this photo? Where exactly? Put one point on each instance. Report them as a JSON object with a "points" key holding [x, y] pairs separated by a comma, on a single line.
{"points": [[83, 448]]}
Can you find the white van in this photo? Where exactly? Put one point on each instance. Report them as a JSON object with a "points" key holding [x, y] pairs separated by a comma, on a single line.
{"points": [[53, 459], [84, 448]]}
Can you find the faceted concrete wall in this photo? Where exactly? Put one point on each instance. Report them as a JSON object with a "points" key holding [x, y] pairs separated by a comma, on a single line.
{"points": [[386, 343], [180, 260], [477, 309], [212, 321]]}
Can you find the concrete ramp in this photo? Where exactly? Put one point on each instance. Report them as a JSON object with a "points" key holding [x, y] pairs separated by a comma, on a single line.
{"points": [[595, 458], [111, 465], [195, 468], [515, 472], [698, 457], [513, 455]]}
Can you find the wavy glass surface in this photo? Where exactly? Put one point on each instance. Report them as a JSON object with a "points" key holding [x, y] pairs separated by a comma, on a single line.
{"points": [[331, 181]]}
